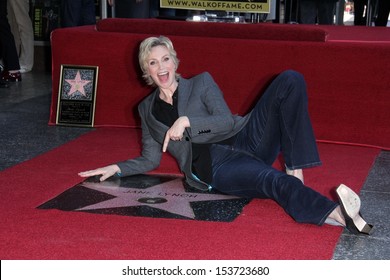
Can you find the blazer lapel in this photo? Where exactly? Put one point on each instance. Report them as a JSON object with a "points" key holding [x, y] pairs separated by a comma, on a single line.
{"points": [[185, 87], [157, 129]]}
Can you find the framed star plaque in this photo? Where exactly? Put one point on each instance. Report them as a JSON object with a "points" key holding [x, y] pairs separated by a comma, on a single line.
{"points": [[77, 95]]}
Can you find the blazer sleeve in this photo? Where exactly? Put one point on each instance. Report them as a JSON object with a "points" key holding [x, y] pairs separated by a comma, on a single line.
{"points": [[151, 151], [210, 117]]}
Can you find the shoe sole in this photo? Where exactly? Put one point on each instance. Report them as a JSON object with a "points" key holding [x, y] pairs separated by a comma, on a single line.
{"points": [[350, 205]]}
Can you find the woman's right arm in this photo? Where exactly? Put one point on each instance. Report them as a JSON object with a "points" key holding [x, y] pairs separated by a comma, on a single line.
{"points": [[149, 159]]}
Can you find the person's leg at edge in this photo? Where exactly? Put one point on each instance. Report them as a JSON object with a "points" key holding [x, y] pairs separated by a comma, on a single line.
{"points": [[307, 12], [71, 13], [24, 30], [88, 12], [326, 12], [8, 48]]}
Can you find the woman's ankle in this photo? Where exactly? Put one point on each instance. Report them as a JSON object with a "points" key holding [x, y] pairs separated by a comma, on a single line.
{"points": [[298, 173]]}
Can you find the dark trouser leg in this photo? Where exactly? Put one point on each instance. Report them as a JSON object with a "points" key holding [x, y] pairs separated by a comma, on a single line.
{"points": [[359, 11], [280, 122], [89, 14], [383, 13], [77, 13], [244, 175], [308, 12], [326, 12], [71, 13], [7, 41]]}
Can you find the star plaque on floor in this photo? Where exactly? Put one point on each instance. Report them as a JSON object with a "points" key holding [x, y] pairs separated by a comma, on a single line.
{"points": [[158, 196]]}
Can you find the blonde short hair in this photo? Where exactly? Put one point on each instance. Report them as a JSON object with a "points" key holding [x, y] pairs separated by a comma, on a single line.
{"points": [[144, 52]]}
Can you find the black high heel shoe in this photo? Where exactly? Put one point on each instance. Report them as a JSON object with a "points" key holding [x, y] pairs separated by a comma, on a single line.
{"points": [[350, 206]]}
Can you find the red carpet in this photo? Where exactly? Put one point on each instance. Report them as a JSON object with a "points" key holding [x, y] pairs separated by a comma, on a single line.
{"points": [[262, 231]]}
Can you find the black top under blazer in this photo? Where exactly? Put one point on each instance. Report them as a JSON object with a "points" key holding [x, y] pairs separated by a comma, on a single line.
{"points": [[211, 121]]}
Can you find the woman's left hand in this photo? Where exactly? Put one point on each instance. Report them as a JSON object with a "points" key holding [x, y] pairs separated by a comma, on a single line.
{"points": [[175, 133]]}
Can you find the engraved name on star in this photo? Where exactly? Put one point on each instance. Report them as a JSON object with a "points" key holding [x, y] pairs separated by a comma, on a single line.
{"points": [[175, 199], [77, 85]]}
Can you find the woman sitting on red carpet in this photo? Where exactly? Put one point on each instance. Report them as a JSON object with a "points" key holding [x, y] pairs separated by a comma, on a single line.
{"points": [[217, 150]]}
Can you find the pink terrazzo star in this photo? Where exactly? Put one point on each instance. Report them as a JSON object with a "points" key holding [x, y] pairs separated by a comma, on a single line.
{"points": [[77, 85], [172, 194]]}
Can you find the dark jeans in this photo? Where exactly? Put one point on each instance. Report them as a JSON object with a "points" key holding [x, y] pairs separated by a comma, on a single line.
{"points": [[278, 123]]}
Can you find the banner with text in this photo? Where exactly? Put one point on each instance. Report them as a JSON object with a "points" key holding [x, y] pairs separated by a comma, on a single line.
{"points": [[248, 6]]}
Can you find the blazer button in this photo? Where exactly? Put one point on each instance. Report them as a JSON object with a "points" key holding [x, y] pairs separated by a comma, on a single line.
{"points": [[187, 139]]}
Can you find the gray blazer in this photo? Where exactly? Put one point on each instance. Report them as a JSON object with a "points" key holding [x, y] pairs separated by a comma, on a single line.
{"points": [[201, 100]]}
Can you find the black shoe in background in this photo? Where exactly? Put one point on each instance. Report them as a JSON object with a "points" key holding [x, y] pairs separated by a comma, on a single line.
{"points": [[11, 77]]}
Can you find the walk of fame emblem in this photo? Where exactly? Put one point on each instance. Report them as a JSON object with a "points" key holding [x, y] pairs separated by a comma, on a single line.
{"points": [[148, 196]]}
